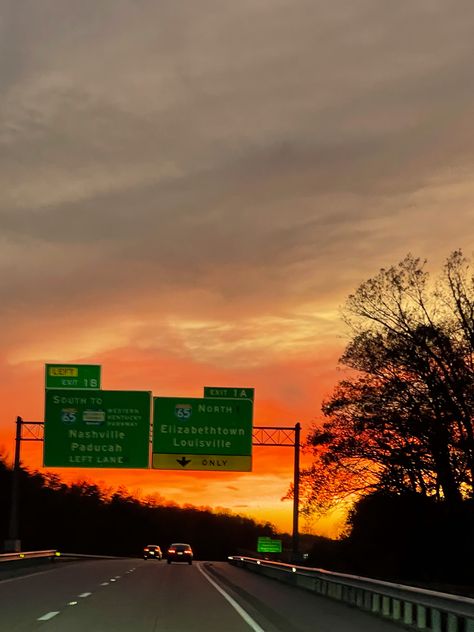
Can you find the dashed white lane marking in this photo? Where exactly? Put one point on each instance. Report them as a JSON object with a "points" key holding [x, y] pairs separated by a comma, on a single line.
{"points": [[48, 616], [245, 615]]}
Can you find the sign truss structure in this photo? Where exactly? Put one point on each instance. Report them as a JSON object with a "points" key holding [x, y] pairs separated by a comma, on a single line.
{"points": [[32, 431], [262, 435], [273, 436]]}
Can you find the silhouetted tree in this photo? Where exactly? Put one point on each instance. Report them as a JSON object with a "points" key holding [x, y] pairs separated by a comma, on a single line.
{"points": [[402, 422]]}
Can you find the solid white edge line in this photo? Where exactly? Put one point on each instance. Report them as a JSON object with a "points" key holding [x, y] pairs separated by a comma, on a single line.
{"points": [[48, 616], [245, 616]]}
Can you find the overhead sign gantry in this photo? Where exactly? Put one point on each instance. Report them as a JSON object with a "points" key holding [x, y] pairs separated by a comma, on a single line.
{"points": [[87, 427]]}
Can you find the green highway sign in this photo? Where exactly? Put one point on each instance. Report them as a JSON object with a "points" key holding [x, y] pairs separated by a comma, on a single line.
{"points": [[67, 376], [229, 392], [97, 429], [268, 545], [189, 426]]}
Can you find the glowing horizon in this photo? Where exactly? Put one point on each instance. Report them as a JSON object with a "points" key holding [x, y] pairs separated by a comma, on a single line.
{"points": [[269, 480]]}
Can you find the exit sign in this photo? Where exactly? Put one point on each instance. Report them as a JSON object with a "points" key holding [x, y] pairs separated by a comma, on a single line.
{"points": [[83, 376], [229, 392]]}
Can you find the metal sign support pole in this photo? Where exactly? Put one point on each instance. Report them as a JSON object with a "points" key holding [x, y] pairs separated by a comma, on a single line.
{"points": [[13, 544], [296, 491], [34, 431], [285, 437]]}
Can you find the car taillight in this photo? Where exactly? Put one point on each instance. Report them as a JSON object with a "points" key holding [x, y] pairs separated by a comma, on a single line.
{"points": [[171, 551], [188, 552], [145, 550]]}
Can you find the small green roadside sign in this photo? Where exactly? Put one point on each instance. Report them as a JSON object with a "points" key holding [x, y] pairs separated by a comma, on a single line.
{"points": [[97, 429], [67, 376], [197, 431], [229, 392], [268, 545]]}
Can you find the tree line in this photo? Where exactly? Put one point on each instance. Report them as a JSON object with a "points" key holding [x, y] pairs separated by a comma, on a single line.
{"points": [[83, 518]]}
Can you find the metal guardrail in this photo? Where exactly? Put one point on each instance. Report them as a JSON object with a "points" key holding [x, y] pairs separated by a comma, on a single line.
{"points": [[416, 608], [21, 562], [52, 554], [27, 555], [86, 556]]}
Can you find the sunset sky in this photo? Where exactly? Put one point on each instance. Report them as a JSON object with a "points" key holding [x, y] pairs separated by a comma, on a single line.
{"points": [[190, 190]]}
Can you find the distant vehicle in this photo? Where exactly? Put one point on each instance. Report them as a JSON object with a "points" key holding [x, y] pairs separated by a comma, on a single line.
{"points": [[152, 551], [179, 552]]}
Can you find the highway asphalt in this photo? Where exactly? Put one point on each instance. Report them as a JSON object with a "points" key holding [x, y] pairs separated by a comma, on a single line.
{"points": [[134, 595]]}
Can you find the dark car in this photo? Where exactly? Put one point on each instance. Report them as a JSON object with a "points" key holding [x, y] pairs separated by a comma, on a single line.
{"points": [[152, 551], [179, 552]]}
